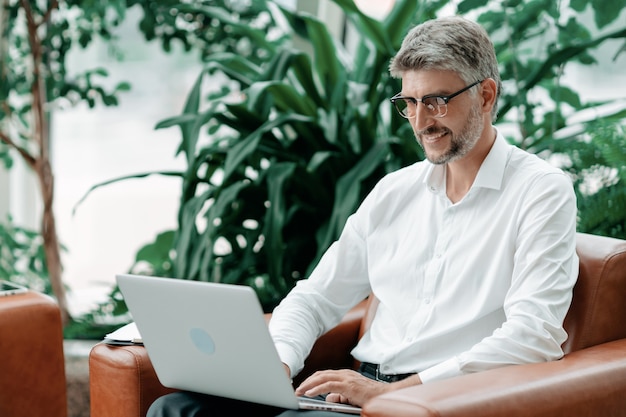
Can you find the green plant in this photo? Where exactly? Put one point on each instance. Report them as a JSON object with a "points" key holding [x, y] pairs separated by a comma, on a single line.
{"points": [[598, 166], [309, 139], [22, 258], [209, 26], [35, 38], [537, 41]]}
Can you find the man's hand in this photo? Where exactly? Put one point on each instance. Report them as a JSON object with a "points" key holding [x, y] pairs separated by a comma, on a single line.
{"points": [[347, 386]]}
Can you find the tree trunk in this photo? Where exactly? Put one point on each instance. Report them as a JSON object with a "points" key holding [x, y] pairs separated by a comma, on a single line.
{"points": [[41, 162], [50, 237]]}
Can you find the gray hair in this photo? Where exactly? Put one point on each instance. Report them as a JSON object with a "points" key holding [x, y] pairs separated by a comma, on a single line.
{"points": [[451, 44]]}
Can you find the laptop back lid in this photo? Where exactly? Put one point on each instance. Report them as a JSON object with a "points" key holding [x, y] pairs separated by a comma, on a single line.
{"points": [[209, 338]]}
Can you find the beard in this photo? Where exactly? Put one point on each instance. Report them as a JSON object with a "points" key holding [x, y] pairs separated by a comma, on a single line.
{"points": [[461, 143]]}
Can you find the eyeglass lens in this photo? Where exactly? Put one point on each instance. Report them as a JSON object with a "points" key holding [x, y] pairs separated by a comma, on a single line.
{"points": [[436, 106]]}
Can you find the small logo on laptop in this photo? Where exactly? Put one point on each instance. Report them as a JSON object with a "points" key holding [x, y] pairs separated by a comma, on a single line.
{"points": [[202, 340]]}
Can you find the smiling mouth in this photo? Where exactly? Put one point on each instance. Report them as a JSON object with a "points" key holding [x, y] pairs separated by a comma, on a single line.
{"points": [[431, 137]]}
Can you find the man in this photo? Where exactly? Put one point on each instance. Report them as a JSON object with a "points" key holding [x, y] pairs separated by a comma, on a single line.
{"points": [[471, 253]]}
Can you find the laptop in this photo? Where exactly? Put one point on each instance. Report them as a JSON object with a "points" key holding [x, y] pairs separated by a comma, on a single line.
{"points": [[212, 338]]}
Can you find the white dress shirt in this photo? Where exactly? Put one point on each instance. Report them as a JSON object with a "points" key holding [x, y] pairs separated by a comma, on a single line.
{"points": [[463, 287]]}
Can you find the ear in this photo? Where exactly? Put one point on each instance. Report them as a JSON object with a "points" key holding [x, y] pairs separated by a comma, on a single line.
{"points": [[489, 89]]}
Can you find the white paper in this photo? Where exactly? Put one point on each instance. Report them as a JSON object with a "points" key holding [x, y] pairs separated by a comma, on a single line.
{"points": [[125, 334]]}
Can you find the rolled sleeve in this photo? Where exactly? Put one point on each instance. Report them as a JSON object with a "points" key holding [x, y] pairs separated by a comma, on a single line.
{"points": [[444, 370]]}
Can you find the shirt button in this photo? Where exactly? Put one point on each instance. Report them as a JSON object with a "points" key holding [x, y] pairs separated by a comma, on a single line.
{"points": [[426, 300]]}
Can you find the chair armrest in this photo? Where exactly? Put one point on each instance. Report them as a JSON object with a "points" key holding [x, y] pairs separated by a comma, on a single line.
{"points": [[588, 382], [122, 381], [32, 372]]}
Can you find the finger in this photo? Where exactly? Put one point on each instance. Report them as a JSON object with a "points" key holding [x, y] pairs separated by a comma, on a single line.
{"points": [[315, 380], [323, 388], [337, 398]]}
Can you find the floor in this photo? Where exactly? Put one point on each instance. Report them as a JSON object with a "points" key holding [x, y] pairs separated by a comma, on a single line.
{"points": [[77, 376]]}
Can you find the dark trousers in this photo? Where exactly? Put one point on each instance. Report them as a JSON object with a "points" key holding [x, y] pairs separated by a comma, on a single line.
{"points": [[188, 404]]}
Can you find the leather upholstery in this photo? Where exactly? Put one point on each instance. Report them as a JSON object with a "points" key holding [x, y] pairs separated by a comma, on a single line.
{"points": [[589, 381], [600, 294], [122, 381], [32, 371]]}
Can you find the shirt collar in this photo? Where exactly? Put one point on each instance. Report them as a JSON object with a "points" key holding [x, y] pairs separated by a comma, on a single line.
{"points": [[490, 174]]}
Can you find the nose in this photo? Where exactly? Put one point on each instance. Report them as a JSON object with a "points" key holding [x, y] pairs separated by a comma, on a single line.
{"points": [[423, 118]]}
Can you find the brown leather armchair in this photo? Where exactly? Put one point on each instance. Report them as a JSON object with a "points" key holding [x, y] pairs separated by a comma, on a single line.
{"points": [[589, 381], [32, 371]]}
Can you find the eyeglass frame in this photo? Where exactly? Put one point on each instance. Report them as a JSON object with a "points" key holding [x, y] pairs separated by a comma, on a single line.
{"points": [[445, 100]]}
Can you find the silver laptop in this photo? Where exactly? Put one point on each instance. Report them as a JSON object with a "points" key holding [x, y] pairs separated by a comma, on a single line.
{"points": [[213, 339]]}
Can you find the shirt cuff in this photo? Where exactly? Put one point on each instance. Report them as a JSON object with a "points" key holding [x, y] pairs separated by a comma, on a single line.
{"points": [[446, 369], [289, 358]]}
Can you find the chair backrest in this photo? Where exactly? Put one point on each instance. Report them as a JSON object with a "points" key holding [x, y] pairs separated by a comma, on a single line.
{"points": [[598, 311], [370, 312], [32, 374]]}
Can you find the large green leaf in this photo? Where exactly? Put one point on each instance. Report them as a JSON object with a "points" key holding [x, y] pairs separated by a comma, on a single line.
{"points": [[466, 6], [303, 71], [327, 64], [372, 30], [607, 11], [234, 66], [249, 145], [187, 252], [348, 192], [278, 176], [403, 15], [284, 96], [124, 178], [190, 129], [203, 255]]}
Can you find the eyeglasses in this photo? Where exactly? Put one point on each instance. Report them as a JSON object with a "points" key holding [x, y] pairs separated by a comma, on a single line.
{"points": [[436, 105]]}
